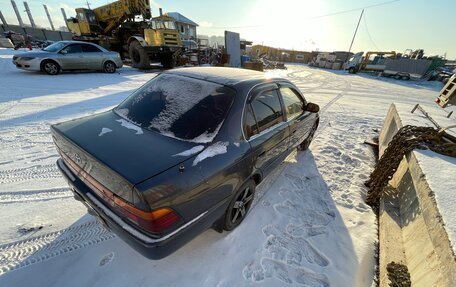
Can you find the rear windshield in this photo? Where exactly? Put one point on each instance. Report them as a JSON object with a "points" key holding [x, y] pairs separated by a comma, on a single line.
{"points": [[179, 107]]}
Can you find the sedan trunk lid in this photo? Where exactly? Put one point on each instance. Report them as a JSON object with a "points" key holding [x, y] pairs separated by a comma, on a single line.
{"points": [[112, 149]]}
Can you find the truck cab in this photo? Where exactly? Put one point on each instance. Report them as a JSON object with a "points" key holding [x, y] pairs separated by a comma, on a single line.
{"points": [[162, 32]]}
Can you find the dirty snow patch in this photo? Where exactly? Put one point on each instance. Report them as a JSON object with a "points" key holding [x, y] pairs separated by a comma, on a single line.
{"points": [[104, 131], [122, 112], [207, 137], [130, 126], [191, 151], [211, 151]]}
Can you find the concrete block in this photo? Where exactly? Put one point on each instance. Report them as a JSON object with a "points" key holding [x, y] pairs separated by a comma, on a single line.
{"points": [[411, 230]]}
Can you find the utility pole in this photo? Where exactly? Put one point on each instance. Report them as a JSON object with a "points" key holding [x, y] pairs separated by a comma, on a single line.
{"points": [[3, 19], [19, 18], [356, 30], [49, 17], [88, 4], [29, 13]]}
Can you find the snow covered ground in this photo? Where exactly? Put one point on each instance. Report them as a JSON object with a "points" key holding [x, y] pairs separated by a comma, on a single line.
{"points": [[309, 225]]}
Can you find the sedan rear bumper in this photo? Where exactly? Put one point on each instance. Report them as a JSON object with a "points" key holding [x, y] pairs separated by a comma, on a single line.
{"points": [[150, 247]]}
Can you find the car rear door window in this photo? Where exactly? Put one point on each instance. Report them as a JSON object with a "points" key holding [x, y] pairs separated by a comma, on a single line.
{"points": [[90, 49], [250, 124], [74, 48], [267, 109], [292, 102]]}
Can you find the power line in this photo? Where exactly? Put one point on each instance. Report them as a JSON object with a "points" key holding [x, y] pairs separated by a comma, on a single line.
{"points": [[368, 34], [311, 18], [354, 9]]}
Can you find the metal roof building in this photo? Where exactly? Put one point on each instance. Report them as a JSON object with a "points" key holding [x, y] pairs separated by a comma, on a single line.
{"points": [[186, 27]]}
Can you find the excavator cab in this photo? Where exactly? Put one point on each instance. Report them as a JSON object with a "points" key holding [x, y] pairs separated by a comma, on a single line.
{"points": [[85, 23]]}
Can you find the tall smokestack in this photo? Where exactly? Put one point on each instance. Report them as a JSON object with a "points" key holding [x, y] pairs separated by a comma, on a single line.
{"points": [[3, 19], [29, 13], [49, 17], [19, 18], [64, 16]]}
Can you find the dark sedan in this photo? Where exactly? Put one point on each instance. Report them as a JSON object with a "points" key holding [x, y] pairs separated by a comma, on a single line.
{"points": [[183, 153]]}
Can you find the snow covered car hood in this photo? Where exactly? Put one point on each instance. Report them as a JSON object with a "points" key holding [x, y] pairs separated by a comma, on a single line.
{"points": [[134, 153]]}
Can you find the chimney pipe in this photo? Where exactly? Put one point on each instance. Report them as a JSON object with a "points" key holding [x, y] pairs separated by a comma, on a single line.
{"points": [[19, 18], [160, 11], [3, 19]]}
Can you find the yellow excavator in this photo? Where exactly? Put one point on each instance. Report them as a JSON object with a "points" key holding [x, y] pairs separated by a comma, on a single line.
{"points": [[116, 27]]}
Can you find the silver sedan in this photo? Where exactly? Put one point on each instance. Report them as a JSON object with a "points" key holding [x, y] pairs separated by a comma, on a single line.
{"points": [[69, 55]]}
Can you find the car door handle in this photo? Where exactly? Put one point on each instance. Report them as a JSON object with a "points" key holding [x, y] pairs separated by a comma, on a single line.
{"points": [[293, 132], [262, 154]]}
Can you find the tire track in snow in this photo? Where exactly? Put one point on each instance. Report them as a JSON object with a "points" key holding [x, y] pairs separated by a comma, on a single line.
{"points": [[35, 195], [28, 173], [9, 106], [23, 253], [344, 87]]}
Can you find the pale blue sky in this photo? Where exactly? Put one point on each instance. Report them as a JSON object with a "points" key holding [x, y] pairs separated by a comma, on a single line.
{"points": [[294, 24]]}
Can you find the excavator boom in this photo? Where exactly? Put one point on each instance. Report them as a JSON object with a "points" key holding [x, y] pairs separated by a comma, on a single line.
{"points": [[110, 16]]}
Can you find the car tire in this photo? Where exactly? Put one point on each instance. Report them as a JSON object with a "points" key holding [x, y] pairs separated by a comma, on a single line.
{"points": [[352, 70], [397, 77], [109, 67], [138, 56], [239, 206], [306, 143], [405, 78], [50, 67]]}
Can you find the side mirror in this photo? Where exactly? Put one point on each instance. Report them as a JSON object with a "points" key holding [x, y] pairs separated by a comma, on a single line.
{"points": [[63, 52], [313, 108]]}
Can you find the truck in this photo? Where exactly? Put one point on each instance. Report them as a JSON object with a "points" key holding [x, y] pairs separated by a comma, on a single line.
{"points": [[115, 27], [399, 66], [373, 61]]}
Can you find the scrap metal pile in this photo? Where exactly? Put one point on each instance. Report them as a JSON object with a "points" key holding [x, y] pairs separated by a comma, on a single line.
{"points": [[24, 41], [268, 64]]}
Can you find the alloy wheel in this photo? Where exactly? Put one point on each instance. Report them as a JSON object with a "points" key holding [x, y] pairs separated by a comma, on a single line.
{"points": [[241, 205], [109, 67], [51, 68]]}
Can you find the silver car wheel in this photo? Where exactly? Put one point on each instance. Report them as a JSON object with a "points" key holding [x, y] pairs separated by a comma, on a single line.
{"points": [[110, 67], [51, 68]]}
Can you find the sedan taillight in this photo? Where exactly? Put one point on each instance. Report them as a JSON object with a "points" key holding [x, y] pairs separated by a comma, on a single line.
{"points": [[156, 221], [164, 219]]}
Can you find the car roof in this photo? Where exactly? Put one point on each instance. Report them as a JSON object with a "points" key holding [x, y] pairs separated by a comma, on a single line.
{"points": [[82, 42], [78, 42], [227, 76]]}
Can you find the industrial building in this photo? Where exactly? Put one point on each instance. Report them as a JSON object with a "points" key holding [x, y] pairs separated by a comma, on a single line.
{"points": [[278, 54]]}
